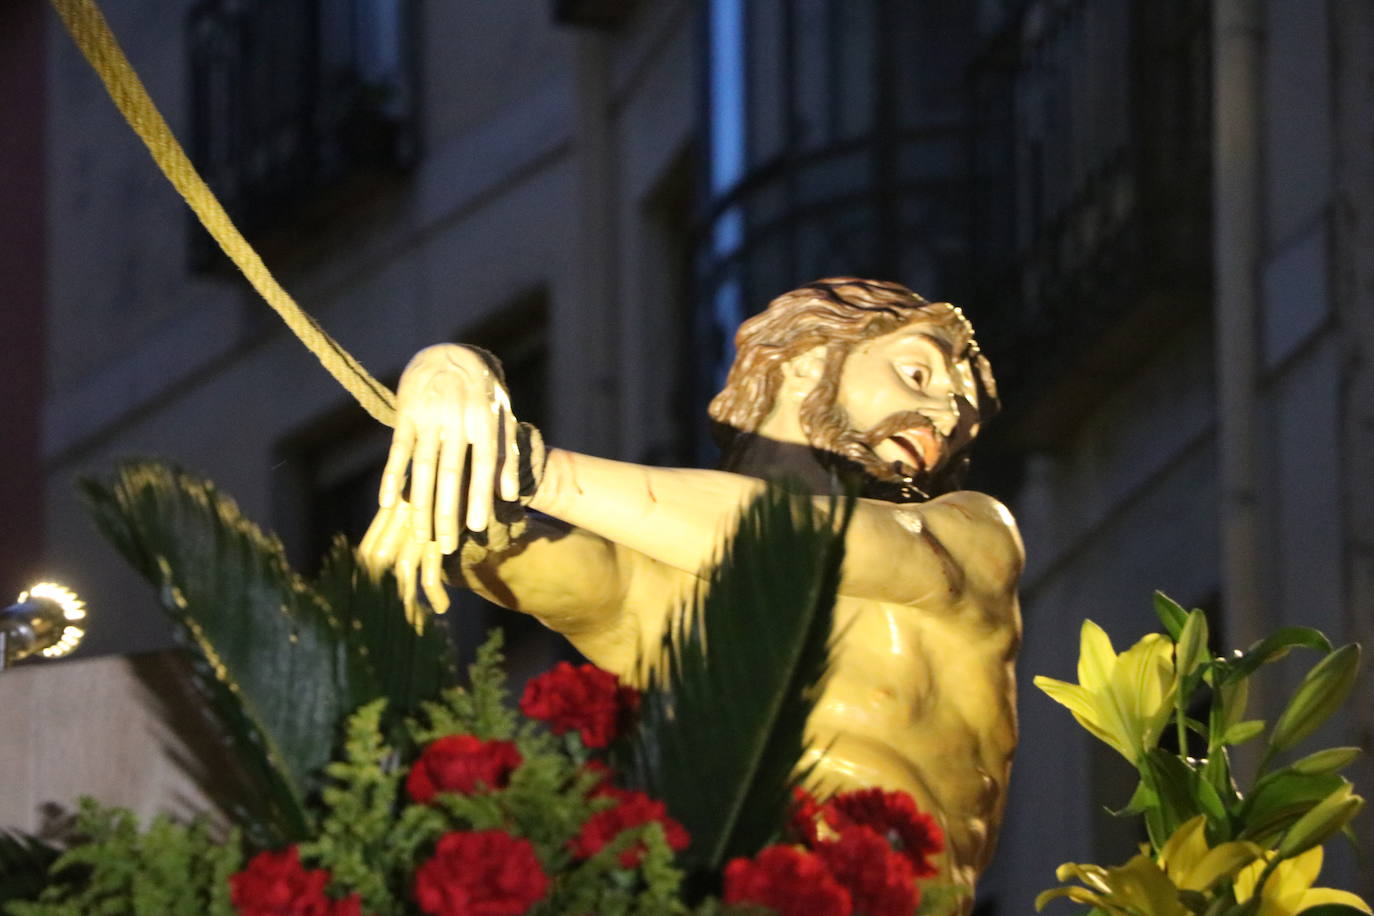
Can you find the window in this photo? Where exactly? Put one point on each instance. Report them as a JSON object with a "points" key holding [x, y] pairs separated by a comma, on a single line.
{"points": [[295, 98], [836, 135]]}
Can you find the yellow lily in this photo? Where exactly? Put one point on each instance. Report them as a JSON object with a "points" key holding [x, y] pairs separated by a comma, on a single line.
{"points": [[1192, 865], [1138, 888], [1125, 699], [1144, 887], [1288, 890]]}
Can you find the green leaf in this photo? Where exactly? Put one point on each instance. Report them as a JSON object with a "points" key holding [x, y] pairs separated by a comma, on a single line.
{"points": [[1276, 646], [1279, 799], [1333, 909], [354, 842], [116, 868], [1217, 773], [1180, 793], [1235, 697], [280, 666], [1242, 732], [24, 863], [1170, 614], [390, 659], [1319, 695], [1174, 782], [249, 619], [1193, 901], [720, 735], [1323, 820], [1142, 799], [1192, 645], [1210, 803]]}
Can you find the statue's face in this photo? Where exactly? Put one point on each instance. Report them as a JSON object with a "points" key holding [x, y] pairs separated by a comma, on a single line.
{"points": [[906, 394]]}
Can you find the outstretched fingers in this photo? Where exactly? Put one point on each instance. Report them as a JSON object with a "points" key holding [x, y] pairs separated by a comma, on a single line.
{"points": [[382, 542], [482, 431], [394, 474], [423, 465], [510, 457], [407, 565], [446, 495], [432, 577]]}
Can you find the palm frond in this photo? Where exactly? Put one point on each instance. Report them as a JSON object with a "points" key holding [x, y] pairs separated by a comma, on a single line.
{"points": [[24, 863], [721, 734], [271, 663], [280, 662], [392, 659]]}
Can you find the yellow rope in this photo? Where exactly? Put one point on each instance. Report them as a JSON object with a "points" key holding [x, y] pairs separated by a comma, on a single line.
{"points": [[93, 36]]}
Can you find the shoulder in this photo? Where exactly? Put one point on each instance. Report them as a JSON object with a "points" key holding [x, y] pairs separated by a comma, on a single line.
{"points": [[976, 530]]}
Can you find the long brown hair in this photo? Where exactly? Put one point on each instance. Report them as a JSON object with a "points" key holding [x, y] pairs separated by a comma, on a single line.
{"points": [[836, 313]]}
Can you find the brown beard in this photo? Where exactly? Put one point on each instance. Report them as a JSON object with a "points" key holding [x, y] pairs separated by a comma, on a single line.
{"points": [[845, 450]]}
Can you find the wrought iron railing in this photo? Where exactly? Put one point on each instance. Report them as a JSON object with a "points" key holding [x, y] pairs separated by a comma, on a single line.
{"points": [[292, 98], [1093, 183], [836, 143]]}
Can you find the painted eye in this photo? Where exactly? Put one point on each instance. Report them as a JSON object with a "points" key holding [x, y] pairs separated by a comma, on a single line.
{"points": [[919, 375]]}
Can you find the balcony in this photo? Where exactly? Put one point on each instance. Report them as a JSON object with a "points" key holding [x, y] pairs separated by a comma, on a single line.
{"points": [[1092, 213], [836, 143], [298, 106]]}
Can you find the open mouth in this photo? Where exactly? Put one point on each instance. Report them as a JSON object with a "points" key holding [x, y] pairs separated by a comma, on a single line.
{"points": [[917, 449], [916, 458]]}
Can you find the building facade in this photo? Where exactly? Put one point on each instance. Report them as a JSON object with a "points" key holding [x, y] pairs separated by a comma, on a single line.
{"points": [[413, 173], [1156, 213]]}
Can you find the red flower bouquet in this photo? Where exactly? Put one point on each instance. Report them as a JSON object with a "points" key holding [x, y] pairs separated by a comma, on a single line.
{"points": [[463, 764], [895, 817], [584, 699], [633, 810], [486, 873], [276, 884], [879, 879], [791, 881]]}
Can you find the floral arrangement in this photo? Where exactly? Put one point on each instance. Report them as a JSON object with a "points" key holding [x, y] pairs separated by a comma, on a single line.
{"points": [[497, 815], [452, 800], [1214, 849], [359, 777]]}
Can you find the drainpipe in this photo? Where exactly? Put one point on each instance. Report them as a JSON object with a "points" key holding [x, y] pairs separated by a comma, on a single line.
{"points": [[1237, 34]]}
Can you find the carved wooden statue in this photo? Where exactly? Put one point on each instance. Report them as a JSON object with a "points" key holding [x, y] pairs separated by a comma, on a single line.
{"points": [[841, 372]]}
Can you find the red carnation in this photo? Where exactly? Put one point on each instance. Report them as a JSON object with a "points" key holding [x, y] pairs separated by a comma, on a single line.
{"points": [[276, 884], [805, 811], [790, 880], [633, 810], [485, 873], [583, 699], [896, 818], [880, 880], [462, 763]]}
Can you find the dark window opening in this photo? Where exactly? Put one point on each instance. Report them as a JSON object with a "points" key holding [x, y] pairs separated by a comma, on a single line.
{"points": [[298, 108]]}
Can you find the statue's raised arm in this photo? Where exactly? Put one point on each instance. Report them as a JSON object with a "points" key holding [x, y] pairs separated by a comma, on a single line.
{"points": [[843, 376]]}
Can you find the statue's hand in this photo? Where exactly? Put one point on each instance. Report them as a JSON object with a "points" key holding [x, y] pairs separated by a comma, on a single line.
{"points": [[390, 543], [449, 402]]}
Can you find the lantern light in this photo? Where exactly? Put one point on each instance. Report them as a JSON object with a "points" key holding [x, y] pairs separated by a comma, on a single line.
{"points": [[47, 619]]}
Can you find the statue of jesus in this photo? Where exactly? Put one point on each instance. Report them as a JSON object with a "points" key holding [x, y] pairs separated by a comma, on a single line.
{"points": [[841, 373]]}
